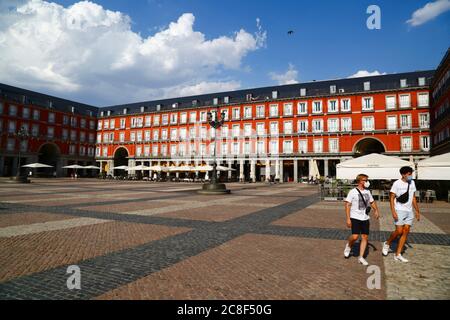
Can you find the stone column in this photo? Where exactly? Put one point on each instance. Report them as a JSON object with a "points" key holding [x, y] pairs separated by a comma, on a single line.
{"points": [[253, 170], [110, 166], [281, 171], [325, 167], [131, 163], [241, 170], [277, 169], [177, 174], [295, 170], [229, 171], [267, 170]]}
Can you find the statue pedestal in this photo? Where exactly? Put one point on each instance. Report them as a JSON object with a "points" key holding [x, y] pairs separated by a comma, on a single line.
{"points": [[214, 188]]}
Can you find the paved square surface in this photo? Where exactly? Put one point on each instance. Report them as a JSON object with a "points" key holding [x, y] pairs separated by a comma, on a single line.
{"points": [[143, 240]]}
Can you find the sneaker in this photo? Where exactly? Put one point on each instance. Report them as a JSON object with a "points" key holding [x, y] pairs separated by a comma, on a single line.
{"points": [[385, 250], [400, 258], [347, 251], [363, 261]]}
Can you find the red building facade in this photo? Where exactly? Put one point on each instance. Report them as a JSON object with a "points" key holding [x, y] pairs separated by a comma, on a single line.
{"points": [[274, 131], [59, 132]]}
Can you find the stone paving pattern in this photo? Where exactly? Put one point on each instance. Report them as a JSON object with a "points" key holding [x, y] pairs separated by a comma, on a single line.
{"points": [[141, 240]]}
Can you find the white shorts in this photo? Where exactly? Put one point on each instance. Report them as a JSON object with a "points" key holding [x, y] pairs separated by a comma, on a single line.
{"points": [[404, 217]]}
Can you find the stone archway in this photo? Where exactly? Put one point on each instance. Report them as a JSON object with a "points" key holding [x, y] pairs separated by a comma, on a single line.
{"points": [[49, 154], [120, 159], [367, 146]]}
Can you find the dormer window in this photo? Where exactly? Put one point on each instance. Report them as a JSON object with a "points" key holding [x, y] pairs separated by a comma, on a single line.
{"points": [[367, 86], [158, 107], [50, 103], [102, 113], [194, 103], [274, 94], [109, 113], [125, 110], [332, 89], [421, 81], [73, 109], [215, 101], [226, 99], [248, 97], [302, 92], [142, 109], [403, 83], [175, 105]]}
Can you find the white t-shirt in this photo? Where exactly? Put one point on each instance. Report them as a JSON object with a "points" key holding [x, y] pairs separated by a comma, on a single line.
{"points": [[399, 187], [358, 208]]}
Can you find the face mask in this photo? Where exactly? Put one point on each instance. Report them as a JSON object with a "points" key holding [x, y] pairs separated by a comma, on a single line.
{"points": [[409, 178], [366, 184]]}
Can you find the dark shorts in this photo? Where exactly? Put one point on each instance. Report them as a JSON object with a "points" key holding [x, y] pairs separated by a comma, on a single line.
{"points": [[360, 227]]}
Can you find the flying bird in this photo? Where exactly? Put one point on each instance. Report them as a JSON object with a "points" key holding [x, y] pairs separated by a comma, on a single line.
{"points": [[290, 32]]}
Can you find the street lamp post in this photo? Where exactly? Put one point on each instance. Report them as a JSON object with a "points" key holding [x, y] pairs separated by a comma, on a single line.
{"points": [[214, 187], [21, 135]]}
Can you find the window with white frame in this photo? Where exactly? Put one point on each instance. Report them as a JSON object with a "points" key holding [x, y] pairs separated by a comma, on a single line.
{"points": [[317, 125], [333, 106], [406, 144], [247, 147], [82, 150], [423, 99], [247, 112], [111, 137], [36, 114], [235, 131], [367, 86], [303, 146], [333, 89], [367, 103], [425, 143], [287, 146], [83, 123], [156, 120], [203, 116], [203, 133], [133, 136], [346, 124], [224, 130], [91, 124], [139, 151], [173, 149], [274, 94], [333, 145], [302, 92], [287, 109], [66, 134], [368, 123], [147, 136], [106, 124], [288, 127], [183, 133], [424, 120], [173, 134], [12, 110], [51, 117], [302, 126], [105, 151], [302, 107], [122, 137], [318, 145], [73, 121], [164, 150], [11, 144], [317, 107], [155, 135], [235, 148], [226, 99], [73, 135], [146, 151], [405, 101], [183, 117], [391, 102], [155, 150], [12, 127], [345, 105], [224, 148], [247, 129], [122, 123], [165, 119], [25, 112], [91, 138], [82, 136], [112, 123], [225, 113], [173, 118], [333, 125], [403, 83], [421, 81], [51, 132], [97, 151], [260, 112], [274, 128], [260, 129], [105, 137], [405, 121], [139, 136], [235, 114], [164, 134], [35, 130], [273, 111], [274, 146], [392, 122], [260, 147], [182, 149], [148, 121], [193, 117]]}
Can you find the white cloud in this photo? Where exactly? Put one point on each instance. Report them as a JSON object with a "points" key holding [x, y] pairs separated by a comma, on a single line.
{"points": [[365, 73], [289, 77], [428, 12], [89, 53]]}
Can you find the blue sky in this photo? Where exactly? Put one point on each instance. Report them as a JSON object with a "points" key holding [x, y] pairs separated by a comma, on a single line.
{"points": [[330, 39]]}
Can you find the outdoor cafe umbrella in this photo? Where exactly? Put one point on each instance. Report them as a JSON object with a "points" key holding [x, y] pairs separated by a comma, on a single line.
{"points": [[74, 166], [120, 168], [91, 167], [138, 168], [158, 168], [434, 168], [222, 168], [36, 165], [182, 169]]}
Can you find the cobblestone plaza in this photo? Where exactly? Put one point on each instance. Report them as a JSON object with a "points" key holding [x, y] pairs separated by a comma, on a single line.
{"points": [[141, 240]]}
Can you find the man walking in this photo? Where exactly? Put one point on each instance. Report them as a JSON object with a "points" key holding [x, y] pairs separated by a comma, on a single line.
{"points": [[402, 203], [357, 207]]}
